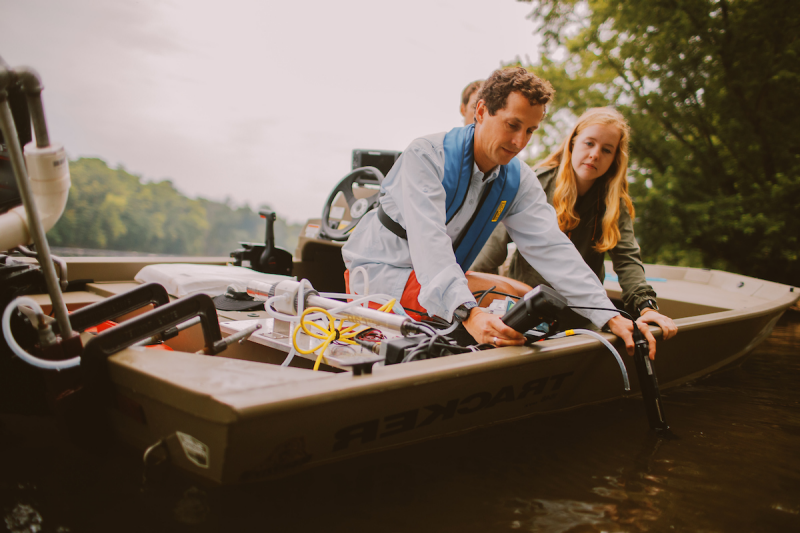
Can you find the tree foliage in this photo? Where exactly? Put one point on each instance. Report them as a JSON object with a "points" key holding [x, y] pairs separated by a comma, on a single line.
{"points": [[709, 89], [114, 210]]}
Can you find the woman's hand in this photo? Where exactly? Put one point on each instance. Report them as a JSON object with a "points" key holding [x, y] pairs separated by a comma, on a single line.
{"points": [[651, 316], [623, 328], [487, 328]]}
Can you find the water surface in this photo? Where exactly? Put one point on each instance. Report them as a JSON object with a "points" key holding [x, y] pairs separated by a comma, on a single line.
{"points": [[735, 466]]}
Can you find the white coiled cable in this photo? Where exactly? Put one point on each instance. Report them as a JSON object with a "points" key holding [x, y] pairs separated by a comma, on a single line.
{"points": [[17, 349]]}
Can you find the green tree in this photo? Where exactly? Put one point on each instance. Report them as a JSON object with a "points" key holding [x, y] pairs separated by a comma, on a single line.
{"points": [[114, 210], [709, 89]]}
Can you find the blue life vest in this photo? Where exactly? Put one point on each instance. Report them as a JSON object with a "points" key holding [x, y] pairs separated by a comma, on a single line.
{"points": [[458, 163]]}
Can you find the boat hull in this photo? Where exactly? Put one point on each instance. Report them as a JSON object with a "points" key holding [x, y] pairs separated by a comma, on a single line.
{"points": [[232, 421]]}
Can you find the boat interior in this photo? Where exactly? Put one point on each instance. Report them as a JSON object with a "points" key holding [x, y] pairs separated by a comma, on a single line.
{"points": [[684, 293]]}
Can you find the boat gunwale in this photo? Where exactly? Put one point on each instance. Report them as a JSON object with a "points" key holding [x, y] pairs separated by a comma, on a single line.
{"points": [[343, 385]]}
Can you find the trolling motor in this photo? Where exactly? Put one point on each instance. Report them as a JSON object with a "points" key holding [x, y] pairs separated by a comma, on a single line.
{"points": [[266, 257], [648, 382], [646, 374]]}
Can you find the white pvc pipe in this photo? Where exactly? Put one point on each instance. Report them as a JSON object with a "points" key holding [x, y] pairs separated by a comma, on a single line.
{"points": [[17, 349], [48, 171]]}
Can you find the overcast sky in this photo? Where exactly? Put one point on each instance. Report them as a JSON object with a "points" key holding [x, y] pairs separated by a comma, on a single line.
{"points": [[258, 101]]}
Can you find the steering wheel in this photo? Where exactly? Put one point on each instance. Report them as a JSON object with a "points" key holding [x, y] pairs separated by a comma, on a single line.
{"points": [[358, 207]]}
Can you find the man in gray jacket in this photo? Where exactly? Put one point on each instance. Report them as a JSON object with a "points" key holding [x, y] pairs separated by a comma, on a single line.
{"points": [[444, 196]]}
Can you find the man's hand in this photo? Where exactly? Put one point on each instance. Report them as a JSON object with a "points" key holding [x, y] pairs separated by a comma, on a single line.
{"points": [[651, 316], [623, 328], [489, 329]]}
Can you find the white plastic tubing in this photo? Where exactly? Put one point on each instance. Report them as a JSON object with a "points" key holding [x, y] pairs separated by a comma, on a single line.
{"points": [[48, 170], [607, 345], [17, 349]]}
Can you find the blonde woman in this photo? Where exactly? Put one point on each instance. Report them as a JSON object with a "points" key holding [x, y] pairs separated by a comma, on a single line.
{"points": [[585, 180]]}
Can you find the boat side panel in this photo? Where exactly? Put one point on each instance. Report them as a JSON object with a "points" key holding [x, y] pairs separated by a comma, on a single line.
{"points": [[277, 429], [193, 443], [269, 444], [283, 442]]}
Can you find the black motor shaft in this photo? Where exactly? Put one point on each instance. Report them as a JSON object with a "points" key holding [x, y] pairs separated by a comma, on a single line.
{"points": [[648, 382]]}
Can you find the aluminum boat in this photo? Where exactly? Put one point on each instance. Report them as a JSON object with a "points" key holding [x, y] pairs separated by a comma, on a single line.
{"points": [[240, 416], [225, 402]]}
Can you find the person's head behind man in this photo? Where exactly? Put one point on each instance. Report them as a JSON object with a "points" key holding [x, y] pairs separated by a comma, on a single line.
{"points": [[469, 97], [511, 104]]}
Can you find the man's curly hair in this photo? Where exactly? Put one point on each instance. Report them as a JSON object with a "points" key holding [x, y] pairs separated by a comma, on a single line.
{"points": [[503, 82]]}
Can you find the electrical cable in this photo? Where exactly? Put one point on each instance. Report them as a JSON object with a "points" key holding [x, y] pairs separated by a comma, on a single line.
{"points": [[485, 293], [492, 291], [426, 330], [620, 311], [449, 329], [370, 335]]}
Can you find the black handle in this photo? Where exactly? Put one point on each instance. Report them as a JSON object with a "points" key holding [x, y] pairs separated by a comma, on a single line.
{"points": [[648, 382], [100, 348], [269, 238], [118, 305]]}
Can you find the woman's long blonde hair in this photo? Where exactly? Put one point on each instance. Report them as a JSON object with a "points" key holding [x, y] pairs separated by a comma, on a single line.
{"points": [[566, 193]]}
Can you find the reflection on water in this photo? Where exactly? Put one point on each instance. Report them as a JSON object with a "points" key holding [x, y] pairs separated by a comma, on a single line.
{"points": [[734, 466], [23, 518]]}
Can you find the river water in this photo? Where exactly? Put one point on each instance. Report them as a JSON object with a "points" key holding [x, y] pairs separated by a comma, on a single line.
{"points": [[734, 466]]}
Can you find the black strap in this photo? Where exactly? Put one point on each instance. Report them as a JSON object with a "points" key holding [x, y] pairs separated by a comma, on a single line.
{"points": [[484, 194], [398, 230], [390, 224]]}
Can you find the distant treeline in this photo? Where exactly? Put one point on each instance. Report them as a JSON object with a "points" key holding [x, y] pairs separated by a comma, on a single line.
{"points": [[114, 210]]}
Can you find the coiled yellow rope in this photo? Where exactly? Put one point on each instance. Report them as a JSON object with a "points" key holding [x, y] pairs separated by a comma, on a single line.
{"points": [[327, 335]]}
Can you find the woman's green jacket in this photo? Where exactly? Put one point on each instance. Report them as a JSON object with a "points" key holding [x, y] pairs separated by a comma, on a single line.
{"points": [[590, 208]]}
